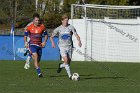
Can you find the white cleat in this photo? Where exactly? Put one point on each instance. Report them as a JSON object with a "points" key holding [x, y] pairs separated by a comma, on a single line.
{"points": [[26, 66]]}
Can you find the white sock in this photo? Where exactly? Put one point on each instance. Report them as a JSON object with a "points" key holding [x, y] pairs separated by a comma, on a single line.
{"points": [[62, 65], [28, 60], [67, 67]]}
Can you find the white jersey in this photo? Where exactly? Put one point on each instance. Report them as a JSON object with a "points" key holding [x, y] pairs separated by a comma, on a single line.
{"points": [[28, 38], [65, 35]]}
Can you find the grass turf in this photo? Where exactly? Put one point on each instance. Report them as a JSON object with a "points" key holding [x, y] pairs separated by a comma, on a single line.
{"points": [[95, 77]]}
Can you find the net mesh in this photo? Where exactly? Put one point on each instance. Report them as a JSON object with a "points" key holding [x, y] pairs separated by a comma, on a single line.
{"points": [[111, 32], [113, 40], [101, 11]]}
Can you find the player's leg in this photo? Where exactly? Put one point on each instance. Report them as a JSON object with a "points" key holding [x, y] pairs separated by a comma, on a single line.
{"points": [[27, 63], [64, 54], [34, 50], [68, 60], [61, 65], [39, 52], [69, 56], [67, 66], [35, 58], [36, 64], [28, 59]]}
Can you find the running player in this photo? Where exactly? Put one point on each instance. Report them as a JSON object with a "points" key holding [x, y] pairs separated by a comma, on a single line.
{"points": [[27, 53], [35, 31], [65, 32]]}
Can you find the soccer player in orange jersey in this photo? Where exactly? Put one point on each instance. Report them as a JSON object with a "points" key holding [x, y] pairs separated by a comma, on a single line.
{"points": [[35, 32]]}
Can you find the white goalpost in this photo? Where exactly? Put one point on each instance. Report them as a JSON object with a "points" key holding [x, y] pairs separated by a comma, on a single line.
{"points": [[108, 33]]}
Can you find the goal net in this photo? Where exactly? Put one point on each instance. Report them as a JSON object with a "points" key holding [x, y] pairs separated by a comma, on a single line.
{"points": [[108, 33]]}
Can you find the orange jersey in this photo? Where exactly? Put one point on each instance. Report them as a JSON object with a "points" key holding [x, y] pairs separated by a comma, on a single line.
{"points": [[35, 34]]}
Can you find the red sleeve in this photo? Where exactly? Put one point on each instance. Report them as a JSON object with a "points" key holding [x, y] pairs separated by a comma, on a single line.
{"points": [[43, 27], [28, 28]]}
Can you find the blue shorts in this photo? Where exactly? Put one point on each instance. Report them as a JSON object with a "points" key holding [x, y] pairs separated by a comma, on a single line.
{"points": [[35, 49]]}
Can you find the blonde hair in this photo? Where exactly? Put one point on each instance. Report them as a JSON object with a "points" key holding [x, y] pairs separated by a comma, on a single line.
{"points": [[64, 16]]}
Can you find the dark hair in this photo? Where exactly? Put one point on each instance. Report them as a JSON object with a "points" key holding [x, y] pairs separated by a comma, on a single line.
{"points": [[36, 15]]}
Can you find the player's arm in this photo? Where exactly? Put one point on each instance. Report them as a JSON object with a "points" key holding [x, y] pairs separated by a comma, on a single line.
{"points": [[52, 36], [45, 38], [79, 41], [52, 41], [77, 37]]}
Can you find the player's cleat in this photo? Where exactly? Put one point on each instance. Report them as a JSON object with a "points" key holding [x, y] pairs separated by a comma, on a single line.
{"points": [[40, 75], [59, 69], [26, 66]]}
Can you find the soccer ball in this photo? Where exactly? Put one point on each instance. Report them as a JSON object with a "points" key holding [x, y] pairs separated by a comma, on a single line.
{"points": [[75, 77]]}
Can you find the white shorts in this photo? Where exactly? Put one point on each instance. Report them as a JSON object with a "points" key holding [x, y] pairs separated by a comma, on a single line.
{"points": [[66, 51]]}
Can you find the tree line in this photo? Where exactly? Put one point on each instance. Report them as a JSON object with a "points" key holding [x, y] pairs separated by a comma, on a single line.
{"points": [[20, 11]]}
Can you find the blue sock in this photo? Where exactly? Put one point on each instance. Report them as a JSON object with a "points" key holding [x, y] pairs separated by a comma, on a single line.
{"points": [[38, 71]]}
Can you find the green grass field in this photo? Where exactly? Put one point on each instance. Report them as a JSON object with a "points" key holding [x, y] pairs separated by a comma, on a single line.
{"points": [[95, 77]]}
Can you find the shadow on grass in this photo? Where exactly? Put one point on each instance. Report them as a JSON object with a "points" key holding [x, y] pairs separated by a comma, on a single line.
{"points": [[58, 76], [45, 68], [49, 68], [90, 76], [104, 78]]}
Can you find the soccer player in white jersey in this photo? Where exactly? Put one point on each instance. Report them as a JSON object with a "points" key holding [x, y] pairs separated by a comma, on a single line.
{"points": [[65, 32], [27, 63]]}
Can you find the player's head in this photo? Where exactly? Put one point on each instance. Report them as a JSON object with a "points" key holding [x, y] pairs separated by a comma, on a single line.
{"points": [[64, 19], [36, 19]]}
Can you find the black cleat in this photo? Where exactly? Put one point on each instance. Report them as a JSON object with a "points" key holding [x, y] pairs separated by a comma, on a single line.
{"points": [[59, 69], [40, 75]]}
